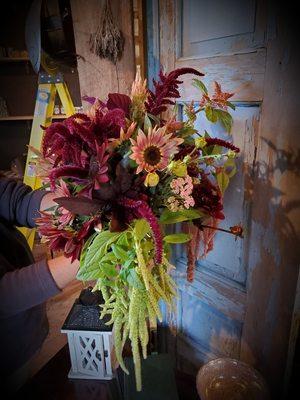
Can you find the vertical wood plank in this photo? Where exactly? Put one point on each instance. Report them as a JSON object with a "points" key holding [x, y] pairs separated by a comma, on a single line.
{"points": [[97, 76], [140, 35], [167, 12], [153, 46]]}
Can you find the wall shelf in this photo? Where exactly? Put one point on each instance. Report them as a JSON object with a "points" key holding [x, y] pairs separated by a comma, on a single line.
{"points": [[28, 117], [13, 59]]}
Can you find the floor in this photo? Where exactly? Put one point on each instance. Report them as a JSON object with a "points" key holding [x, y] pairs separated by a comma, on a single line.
{"points": [[58, 308]]}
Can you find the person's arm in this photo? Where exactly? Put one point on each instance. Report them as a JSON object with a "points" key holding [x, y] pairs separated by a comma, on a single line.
{"points": [[19, 204], [62, 270], [29, 286], [32, 285]]}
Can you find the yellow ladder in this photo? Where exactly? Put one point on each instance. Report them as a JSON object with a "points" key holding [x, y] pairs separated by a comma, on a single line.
{"points": [[48, 86]]}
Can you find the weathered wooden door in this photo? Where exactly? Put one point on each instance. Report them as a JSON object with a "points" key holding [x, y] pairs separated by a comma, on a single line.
{"points": [[218, 315]]}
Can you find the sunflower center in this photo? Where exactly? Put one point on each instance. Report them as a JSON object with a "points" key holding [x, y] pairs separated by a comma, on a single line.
{"points": [[152, 155]]}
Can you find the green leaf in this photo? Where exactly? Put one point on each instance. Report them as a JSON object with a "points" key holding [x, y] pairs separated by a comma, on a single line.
{"points": [[154, 118], [99, 246], [109, 257], [186, 131], [128, 263], [230, 167], [45, 186], [89, 265], [225, 118], [200, 85], [109, 270], [92, 275], [123, 240], [231, 105], [147, 246], [134, 280], [216, 150], [169, 217], [147, 123], [141, 228], [211, 114], [85, 248], [120, 254], [178, 238], [223, 181]]}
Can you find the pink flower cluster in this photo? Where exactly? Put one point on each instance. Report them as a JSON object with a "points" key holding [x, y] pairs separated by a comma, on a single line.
{"points": [[182, 187]]}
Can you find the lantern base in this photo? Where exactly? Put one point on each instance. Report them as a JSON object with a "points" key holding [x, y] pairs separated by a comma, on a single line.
{"points": [[79, 375]]}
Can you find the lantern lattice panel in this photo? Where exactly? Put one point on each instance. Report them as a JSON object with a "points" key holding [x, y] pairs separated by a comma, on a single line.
{"points": [[90, 354]]}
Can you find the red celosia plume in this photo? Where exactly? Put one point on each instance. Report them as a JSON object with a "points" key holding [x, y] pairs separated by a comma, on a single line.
{"points": [[166, 89], [223, 143]]}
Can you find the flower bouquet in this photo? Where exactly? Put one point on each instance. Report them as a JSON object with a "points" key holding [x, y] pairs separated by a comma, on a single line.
{"points": [[123, 172]]}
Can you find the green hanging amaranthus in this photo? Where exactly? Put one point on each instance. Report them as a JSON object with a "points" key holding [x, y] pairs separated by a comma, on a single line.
{"points": [[131, 285]]}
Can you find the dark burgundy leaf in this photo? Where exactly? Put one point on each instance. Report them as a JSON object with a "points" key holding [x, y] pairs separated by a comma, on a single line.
{"points": [[118, 100], [111, 192], [123, 179], [106, 193]]}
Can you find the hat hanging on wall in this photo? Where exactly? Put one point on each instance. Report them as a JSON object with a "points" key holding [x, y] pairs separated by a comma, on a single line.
{"points": [[107, 41]]}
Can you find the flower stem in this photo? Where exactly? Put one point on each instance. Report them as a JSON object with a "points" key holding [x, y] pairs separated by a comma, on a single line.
{"points": [[231, 231]]}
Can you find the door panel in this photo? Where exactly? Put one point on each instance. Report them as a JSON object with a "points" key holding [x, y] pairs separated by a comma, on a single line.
{"points": [[211, 310], [227, 257], [242, 74], [219, 27], [227, 47]]}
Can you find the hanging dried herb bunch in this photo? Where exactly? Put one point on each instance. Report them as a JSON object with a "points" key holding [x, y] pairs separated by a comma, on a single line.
{"points": [[107, 41]]}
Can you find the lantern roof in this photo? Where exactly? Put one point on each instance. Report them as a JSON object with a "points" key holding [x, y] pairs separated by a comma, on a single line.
{"points": [[85, 314]]}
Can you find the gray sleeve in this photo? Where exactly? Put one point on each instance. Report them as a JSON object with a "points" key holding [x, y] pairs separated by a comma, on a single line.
{"points": [[19, 204], [26, 288]]}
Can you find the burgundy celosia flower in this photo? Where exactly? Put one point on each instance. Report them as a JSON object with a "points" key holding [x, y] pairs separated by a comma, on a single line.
{"points": [[91, 176], [107, 123], [166, 89], [81, 127], [143, 210], [70, 141], [186, 150], [221, 142], [207, 197], [118, 100]]}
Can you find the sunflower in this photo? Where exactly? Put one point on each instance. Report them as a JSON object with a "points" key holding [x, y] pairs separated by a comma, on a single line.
{"points": [[153, 151]]}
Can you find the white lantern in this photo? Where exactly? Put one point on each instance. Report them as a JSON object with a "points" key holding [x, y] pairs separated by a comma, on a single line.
{"points": [[90, 343]]}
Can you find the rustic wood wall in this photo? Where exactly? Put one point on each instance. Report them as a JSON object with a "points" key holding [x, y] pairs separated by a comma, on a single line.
{"points": [[274, 254], [98, 76]]}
